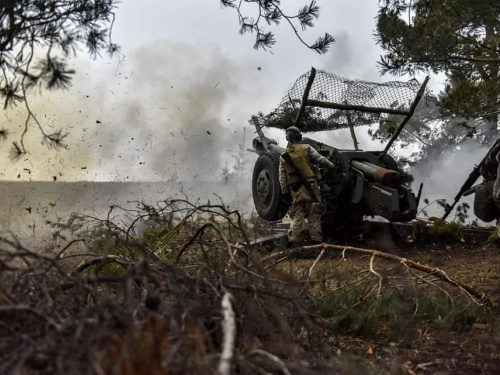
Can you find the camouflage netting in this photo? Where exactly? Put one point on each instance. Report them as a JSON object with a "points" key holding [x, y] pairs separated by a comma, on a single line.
{"points": [[331, 88]]}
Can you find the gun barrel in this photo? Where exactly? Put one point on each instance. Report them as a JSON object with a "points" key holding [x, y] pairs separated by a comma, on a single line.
{"points": [[376, 173]]}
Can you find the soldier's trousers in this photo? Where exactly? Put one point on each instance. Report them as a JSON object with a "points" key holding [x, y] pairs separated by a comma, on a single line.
{"points": [[304, 207], [496, 189], [496, 197]]}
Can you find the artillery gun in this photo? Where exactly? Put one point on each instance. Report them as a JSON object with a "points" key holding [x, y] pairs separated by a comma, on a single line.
{"points": [[365, 183]]}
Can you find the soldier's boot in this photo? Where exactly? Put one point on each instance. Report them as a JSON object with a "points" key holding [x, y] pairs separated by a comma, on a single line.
{"points": [[295, 239]]}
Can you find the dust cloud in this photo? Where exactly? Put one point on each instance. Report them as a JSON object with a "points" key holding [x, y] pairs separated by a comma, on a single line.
{"points": [[162, 111], [160, 124], [444, 174]]}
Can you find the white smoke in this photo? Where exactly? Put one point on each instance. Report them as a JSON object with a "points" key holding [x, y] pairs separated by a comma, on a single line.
{"points": [[444, 176]]}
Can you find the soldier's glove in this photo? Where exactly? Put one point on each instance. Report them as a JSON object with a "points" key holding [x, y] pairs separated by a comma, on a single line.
{"points": [[287, 198]]}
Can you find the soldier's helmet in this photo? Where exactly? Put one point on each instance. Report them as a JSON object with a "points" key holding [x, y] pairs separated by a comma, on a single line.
{"points": [[293, 134]]}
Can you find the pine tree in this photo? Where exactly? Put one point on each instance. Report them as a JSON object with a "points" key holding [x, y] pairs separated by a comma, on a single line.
{"points": [[36, 39], [459, 38], [270, 12]]}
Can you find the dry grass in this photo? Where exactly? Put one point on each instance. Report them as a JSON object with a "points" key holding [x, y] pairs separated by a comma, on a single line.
{"points": [[147, 298]]}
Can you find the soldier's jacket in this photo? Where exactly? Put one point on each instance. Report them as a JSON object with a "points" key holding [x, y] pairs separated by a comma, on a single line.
{"points": [[487, 195], [305, 158], [490, 164]]}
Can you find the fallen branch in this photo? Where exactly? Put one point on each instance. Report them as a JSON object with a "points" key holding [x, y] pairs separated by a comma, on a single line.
{"points": [[479, 297], [99, 261], [274, 359], [229, 329]]}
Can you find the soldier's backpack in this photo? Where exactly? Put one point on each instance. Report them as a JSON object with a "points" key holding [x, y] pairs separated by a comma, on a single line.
{"points": [[484, 205]]}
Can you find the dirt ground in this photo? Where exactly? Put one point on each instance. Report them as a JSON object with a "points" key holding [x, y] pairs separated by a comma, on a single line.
{"points": [[303, 311], [475, 350], [421, 348]]}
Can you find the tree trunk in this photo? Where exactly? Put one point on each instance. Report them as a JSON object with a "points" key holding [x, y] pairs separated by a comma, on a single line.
{"points": [[493, 99]]}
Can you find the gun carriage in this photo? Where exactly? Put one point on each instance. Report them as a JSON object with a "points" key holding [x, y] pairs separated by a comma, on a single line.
{"points": [[365, 183]]}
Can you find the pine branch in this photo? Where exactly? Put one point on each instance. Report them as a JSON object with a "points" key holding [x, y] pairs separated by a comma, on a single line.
{"points": [[271, 13], [49, 27]]}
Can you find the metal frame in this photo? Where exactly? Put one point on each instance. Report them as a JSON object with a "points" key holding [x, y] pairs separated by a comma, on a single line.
{"points": [[347, 107]]}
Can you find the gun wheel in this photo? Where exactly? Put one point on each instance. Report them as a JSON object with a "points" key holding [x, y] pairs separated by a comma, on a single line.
{"points": [[266, 188]]}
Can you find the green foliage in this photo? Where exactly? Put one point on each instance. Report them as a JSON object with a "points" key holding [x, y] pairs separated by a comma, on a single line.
{"points": [[271, 12], [455, 318], [493, 240], [38, 37], [459, 38], [110, 269], [443, 227], [436, 35], [161, 240], [350, 311], [387, 127], [36, 40], [103, 242], [452, 230]]}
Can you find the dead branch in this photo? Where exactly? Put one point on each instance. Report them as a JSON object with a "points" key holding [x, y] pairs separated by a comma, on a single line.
{"points": [[99, 261], [380, 278], [163, 316], [229, 329], [63, 250], [274, 359], [479, 297]]}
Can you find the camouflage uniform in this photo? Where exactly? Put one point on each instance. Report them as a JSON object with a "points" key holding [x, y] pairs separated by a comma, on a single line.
{"points": [[305, 158], [487, 198]]}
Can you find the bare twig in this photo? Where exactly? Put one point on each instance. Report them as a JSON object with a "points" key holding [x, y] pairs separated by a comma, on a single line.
{"points": [[478, 297], [276, 360], [229, 329]]}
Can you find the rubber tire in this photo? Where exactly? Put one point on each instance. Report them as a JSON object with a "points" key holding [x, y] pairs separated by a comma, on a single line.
{"points": [[266, 188]]}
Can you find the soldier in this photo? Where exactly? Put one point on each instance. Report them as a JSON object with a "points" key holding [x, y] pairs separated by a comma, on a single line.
{"points": [[299, 179], [487, 198]]}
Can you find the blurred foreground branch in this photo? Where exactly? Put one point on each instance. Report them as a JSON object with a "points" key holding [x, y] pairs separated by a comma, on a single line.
{"points": [[144, 295]]}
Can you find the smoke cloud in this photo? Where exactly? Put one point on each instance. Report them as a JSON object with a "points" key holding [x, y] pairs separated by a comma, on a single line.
{"points": [[165, 110], [444, 175], [170, 116]]}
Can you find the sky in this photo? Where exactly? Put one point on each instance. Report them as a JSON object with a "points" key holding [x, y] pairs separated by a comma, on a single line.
{"points": [[177, 100]]}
